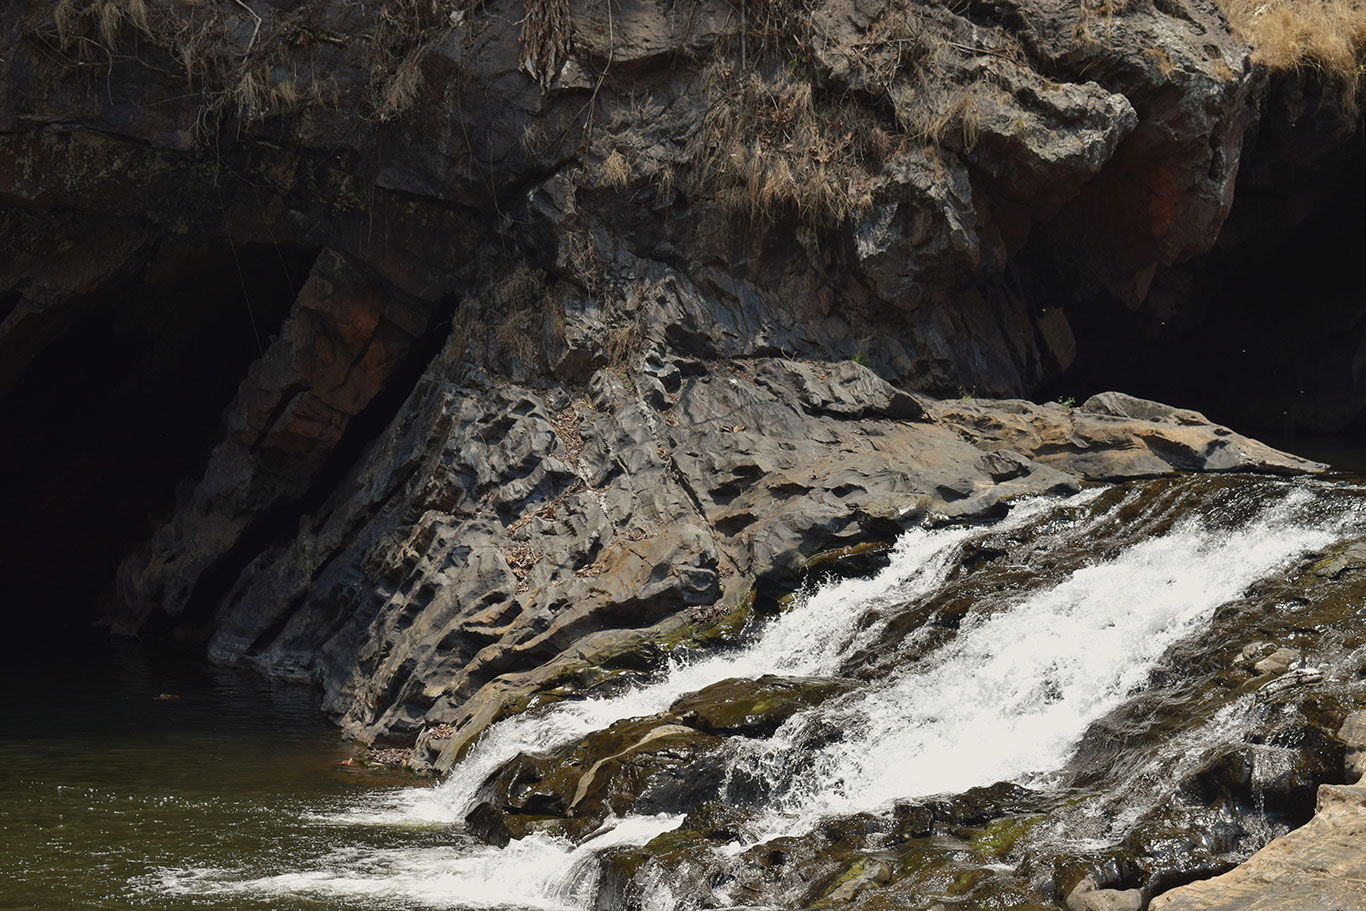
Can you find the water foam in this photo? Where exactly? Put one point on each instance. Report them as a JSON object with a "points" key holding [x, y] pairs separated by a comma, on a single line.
{"points": [[536, 872], [1013, 693], [823, 628]]}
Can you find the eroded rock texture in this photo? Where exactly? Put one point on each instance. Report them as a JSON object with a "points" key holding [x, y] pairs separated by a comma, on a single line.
{"points": [[499, 540], [1320, 865], [594, 322]]}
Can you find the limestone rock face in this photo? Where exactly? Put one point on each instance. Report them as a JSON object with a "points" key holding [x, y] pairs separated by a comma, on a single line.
{"points": [[1319, 865]]}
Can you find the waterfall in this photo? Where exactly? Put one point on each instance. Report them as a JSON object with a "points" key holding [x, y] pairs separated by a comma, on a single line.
{"points": [[1008, 697], [811, 639], [1031, 677]]}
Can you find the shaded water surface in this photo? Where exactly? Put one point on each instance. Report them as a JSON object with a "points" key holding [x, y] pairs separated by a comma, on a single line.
{"points": [[105, 785]]}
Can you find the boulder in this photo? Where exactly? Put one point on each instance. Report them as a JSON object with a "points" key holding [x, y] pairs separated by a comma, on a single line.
{"points": [[1279, 661], [1319, 865], [1087, 896]]}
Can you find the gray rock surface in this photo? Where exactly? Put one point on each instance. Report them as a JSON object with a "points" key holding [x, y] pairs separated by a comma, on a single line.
{"points": [[692, 270], [1353, 734], [1282, 659], [675, 368], [500, 540], [1087, 897], [1321, 865]]}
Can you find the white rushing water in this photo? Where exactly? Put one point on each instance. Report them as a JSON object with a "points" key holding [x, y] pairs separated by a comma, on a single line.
{"points": [[1015, 690], [536, 872], [811, 639], [1008, 697]]}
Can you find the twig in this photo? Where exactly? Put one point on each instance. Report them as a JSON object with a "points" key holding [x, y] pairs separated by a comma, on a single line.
{"points": [[969, 49], [254, 32]]}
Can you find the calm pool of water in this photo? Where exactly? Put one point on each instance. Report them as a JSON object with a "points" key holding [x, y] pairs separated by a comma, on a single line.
{"points": [[107, 789]]}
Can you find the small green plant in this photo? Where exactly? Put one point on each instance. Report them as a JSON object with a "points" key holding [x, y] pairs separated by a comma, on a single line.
{"points": [[1067, 401], [966, 395], [861, 358]]}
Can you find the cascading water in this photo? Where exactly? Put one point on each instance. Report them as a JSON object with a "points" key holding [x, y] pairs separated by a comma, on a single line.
{"points": [[1007, 695], [1032, 676], [811, 639]]}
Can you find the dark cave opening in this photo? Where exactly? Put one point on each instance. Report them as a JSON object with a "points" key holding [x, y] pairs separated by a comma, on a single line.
{"points": [[105, 423], [1266, 333]]}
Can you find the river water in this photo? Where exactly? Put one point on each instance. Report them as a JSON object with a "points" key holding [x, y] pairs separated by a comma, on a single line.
{"points": [[118, 764], [231, 795]]}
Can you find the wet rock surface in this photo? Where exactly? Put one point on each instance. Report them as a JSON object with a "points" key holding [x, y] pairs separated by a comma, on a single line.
{"points": [[1320, 865], [1208, 794]]}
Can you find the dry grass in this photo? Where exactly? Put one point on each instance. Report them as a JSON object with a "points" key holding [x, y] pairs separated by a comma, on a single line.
{"points": [[1324, 35], [941, 117], [616, 171], [522, 288], [228, 54], [398, 91], [234, 56], [623, 342], [566, 424], [521, 558], [767, 145], [535, 137], [514, 337], [520, 303], [1095, 20], [776, 139], [545, 39], [584, 262]]}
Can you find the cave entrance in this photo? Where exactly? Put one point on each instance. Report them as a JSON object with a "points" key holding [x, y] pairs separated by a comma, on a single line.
{"points": [[106, 421], [1267, 333]]}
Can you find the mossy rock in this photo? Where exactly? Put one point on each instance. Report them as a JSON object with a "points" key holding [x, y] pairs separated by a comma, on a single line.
{"points": [[1340, 560], [863, 874], [638, 765], [1000, 837], [754, 708]]}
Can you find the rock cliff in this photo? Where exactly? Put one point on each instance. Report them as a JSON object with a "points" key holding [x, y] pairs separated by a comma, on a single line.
{"points": [[448, 353], [506, 292]]}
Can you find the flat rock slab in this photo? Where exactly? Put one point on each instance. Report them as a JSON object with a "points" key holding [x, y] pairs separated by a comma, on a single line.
{"points": [[1320, 866]]}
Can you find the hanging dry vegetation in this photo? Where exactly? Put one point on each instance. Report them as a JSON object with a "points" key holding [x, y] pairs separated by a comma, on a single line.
{"points": [[777, 137], [1324, 35], [252, 65], [767, 144]]}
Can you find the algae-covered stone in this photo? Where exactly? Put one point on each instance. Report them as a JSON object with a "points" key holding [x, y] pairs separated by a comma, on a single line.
{"points": [[999, 837], [755, 708], [860, 876]]}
